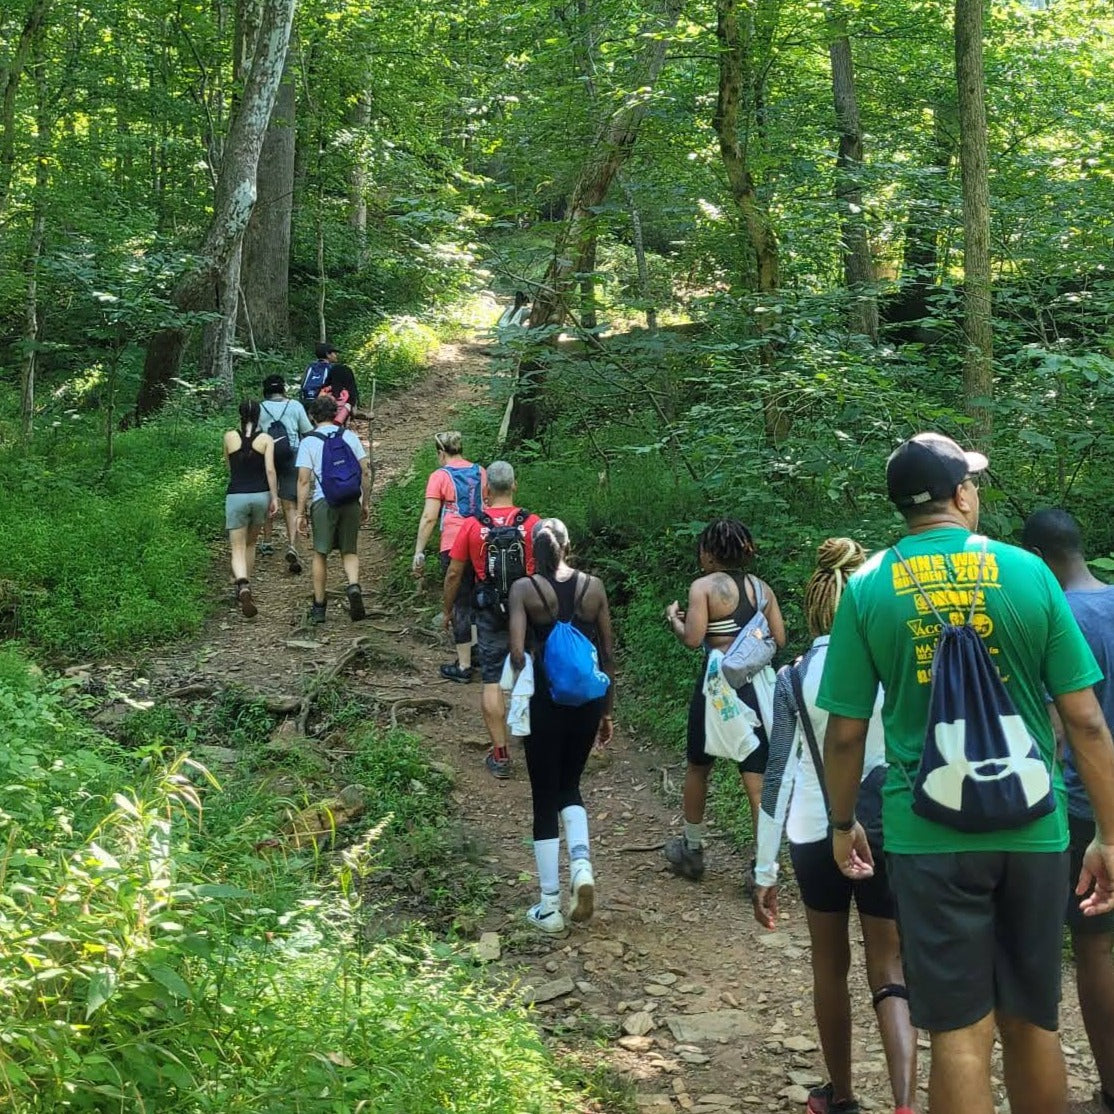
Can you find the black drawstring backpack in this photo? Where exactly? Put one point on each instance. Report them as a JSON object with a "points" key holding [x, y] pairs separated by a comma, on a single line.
{"points": [[981, 770]]}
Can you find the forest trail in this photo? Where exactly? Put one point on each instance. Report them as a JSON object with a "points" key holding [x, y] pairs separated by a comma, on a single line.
{"points": [[662, 956]]}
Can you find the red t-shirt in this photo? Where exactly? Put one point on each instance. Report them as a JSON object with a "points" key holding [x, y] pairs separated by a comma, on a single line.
{"points": [[442, 488], [469, 544]]}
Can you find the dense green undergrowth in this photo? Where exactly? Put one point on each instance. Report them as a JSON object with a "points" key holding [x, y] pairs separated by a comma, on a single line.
{"points": [[153, 958]]}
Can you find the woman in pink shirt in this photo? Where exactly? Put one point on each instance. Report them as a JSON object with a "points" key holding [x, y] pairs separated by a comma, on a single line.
{"points": [[453, 493]]}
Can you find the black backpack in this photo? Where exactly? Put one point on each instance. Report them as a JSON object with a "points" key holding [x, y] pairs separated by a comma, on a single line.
{"points": [[284, 450], [981, 770], [504, 560]]}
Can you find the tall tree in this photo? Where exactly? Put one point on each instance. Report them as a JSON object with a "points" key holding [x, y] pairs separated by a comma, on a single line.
{"points": [[858, 267], [212, 282], [978, 383]]}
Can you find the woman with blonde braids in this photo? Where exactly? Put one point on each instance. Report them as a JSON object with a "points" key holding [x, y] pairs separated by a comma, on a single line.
{"points": [[794, 785]]}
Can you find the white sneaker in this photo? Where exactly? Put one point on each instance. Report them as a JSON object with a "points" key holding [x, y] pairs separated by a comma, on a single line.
{"points": [[583, 891], [546, 915]]}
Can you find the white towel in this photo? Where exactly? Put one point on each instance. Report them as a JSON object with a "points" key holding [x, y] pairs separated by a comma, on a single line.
{"points": [[519, 687]]}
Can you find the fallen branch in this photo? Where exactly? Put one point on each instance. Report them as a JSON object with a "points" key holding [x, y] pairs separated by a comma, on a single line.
{"points": [[186, 691], [635, 848]]}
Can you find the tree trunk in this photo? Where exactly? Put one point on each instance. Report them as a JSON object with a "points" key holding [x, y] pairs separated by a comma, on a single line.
{"points": [[639, 255], [266, 257], [858, 268], [978, 383], [10, 76], [233, 204], [357, 175]]}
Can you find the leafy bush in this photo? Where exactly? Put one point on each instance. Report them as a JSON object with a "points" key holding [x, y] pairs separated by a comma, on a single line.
{"points": [[394, 352]]}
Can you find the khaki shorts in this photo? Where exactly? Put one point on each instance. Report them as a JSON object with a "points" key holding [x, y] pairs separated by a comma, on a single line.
{"points": [[334, 527], [246, 509]]}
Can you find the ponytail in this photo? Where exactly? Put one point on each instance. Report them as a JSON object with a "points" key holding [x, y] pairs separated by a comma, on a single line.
{"points": [[249, 418]]}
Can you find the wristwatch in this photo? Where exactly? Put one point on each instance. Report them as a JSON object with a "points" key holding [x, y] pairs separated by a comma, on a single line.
{"points": [[840, 825]]}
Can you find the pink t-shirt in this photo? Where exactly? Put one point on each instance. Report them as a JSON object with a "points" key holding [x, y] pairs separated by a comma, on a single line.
{"points": [[442, 488]]}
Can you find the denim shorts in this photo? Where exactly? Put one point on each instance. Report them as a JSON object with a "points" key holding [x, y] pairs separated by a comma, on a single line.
{"points": [[246, 509]]}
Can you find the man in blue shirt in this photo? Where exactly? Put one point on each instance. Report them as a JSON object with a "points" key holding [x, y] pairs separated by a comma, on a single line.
{"points": [[1055, 536]]}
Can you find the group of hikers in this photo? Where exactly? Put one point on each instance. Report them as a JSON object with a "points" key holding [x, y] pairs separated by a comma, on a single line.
{"points": [[939, 756]]}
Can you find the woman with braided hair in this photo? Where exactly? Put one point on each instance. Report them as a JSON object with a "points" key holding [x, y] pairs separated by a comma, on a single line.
{"points": [[793, 785], [721, 603]]}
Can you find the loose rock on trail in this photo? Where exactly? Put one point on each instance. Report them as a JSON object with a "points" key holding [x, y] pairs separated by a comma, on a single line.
{"points": [[672, 983]]}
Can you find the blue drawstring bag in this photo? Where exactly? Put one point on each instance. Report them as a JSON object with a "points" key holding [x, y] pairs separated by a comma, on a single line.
{"points": [[981, 770], [572, 665]]}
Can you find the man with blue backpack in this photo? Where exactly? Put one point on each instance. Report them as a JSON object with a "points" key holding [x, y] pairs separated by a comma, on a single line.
{"points": [[967, 638], [327, 375], [334, 489], [453, 493]]}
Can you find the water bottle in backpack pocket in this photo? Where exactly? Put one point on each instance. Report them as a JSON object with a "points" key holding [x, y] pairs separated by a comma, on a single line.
{"points": [[341, 478], [981, 770], [572, 664]]}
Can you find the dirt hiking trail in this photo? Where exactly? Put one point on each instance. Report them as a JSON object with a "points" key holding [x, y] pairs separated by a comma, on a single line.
{"points": [[673, 984]]}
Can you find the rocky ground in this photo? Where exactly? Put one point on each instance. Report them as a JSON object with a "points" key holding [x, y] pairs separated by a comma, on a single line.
{"points": [[673, 984]]}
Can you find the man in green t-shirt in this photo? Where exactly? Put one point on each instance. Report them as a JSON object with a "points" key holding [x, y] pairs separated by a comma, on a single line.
{"points": [[979, 914]]}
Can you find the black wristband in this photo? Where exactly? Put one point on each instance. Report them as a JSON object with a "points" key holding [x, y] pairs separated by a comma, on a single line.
{"points": [[842, 826]]}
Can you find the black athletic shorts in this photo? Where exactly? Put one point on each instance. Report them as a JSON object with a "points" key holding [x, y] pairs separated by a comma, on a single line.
{"points": [[492, 642], [755, 762], [1082, 832], [824, 889], [981, 931]]}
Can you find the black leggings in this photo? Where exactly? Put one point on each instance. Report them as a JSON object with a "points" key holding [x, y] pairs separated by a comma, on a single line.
{"points": [[462, 605], [557, 749]]}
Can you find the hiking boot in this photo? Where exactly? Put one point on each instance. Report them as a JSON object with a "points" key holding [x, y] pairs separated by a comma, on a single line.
{"points": [[317, 613], [293, 565], [820, 1101], [683, 859], [457, 673], [546, 916], [497, 767], [583, 887], [355, 603], [247, 604]]}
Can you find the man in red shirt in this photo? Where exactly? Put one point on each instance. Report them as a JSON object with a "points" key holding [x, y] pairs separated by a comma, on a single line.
{"points": [[499, 545]]}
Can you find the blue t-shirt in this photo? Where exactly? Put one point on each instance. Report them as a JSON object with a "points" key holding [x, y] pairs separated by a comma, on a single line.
{"points": [[1094, 612]]}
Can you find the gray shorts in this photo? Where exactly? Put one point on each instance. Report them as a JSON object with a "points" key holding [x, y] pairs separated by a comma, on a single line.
{"points": [[288, 483], [334, 527], [493, 639], [246, 509], [980, 931]]}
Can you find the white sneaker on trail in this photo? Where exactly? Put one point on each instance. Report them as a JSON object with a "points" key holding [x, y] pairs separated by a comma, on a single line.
{"points": [[546, 915], [583, 887]]}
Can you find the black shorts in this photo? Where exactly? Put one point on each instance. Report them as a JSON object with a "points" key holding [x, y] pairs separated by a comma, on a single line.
{"points": [[492, 642], [1082, 832], [825, 890], [980, 931], [755, 762]]}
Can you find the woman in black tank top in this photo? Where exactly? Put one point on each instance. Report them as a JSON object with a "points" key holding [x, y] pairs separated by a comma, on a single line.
{"points": [[561, 737], [251, 496], [721, 602]]}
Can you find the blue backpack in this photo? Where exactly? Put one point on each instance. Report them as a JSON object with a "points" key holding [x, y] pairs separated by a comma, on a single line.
{"points": [[341, 476], [467, 483], [981, 770], [316, 375], [572, 665]]}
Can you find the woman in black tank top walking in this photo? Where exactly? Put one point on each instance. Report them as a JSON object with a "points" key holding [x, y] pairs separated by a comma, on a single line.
{"points": [[251, 496], [720, 604], [561, 737]]}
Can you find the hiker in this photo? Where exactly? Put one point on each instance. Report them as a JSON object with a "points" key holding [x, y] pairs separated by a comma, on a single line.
{"points": [[453, 493], [500, 548], [967, 637], [517, 315], [721, 602], [334, 490], [1055, 536], [561, 734], [327, 375], [793, 784], [276, 410], [251, 496]]}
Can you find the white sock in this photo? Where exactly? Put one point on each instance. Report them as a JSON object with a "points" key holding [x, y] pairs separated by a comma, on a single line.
{"points": [[547, 855], [694, 835], [575, 819]]}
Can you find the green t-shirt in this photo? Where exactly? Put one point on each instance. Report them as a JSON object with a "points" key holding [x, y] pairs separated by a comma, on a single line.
{"points": [[884, 633]]}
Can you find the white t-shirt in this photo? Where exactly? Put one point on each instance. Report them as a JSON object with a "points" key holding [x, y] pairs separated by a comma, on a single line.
{"points": [[309, 453]]}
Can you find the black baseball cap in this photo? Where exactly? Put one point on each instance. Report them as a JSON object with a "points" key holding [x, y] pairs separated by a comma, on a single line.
{"points": [[927, 467]]}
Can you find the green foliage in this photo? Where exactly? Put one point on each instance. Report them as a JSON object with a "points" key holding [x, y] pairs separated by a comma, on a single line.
{"points": [[150, 958], [394, 352]]}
